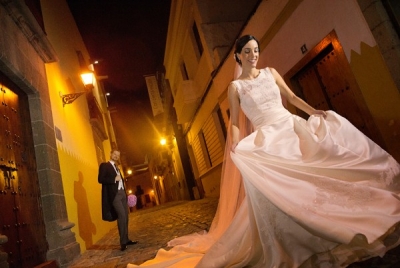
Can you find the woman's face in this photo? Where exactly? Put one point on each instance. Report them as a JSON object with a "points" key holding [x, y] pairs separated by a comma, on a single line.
{"points": [[249, 54]]}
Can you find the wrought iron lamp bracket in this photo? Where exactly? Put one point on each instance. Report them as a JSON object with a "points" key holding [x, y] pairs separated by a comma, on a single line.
{"points": [[70, 98]]}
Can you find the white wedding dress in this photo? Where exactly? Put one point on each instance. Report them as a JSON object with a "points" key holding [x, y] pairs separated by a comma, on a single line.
{"points": [[318, 193]]}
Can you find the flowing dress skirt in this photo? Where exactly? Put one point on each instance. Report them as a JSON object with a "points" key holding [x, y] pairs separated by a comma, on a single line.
{"points": [[318, 193]]}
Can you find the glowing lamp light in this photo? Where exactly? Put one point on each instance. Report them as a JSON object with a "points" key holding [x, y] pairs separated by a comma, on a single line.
{"points": [[88, 79], [163, 141]]}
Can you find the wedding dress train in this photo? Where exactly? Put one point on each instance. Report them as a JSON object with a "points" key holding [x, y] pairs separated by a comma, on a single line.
{"points": [[318, 193]]}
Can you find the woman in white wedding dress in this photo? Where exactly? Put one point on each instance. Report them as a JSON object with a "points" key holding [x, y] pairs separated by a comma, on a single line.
{"points": [[318, 193]]}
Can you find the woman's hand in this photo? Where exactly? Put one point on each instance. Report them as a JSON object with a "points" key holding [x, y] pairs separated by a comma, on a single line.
{"points": [[320, 112]]}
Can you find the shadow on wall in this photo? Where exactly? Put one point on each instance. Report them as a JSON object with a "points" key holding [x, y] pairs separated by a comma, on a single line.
{"points": [[86, 227]]}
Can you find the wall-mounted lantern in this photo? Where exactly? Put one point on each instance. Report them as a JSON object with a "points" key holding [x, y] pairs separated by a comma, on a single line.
{"points": [[87, 76], [88, 83], [88, 79]]}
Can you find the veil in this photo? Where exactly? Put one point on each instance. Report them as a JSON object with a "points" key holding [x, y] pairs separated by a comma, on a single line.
{"points": [[187, 250], [231, 187], [232, 191]]}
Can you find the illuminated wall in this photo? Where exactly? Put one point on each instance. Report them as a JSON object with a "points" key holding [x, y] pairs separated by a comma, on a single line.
{"points": [[283, 27], [309, 22], [74, 134]]}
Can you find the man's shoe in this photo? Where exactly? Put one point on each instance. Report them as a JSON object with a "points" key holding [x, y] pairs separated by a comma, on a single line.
{"points": [[123, 247], [130, 242]]}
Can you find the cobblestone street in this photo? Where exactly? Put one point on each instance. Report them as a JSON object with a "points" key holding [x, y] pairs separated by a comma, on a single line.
{"points": [[154, 227]]}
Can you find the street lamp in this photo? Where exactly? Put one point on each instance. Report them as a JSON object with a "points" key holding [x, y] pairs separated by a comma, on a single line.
{"points": [[163, 141]]}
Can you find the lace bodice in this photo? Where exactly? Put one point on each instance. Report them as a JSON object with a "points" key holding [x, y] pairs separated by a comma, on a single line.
{"points": [[260, 99]]}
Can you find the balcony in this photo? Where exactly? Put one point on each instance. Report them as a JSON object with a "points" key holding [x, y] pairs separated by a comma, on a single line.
{"points": [[186, 100]]}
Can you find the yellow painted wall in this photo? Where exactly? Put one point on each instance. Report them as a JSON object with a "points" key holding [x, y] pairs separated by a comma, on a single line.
{"points": [[76, 147], [380, 93], [83, 198]]}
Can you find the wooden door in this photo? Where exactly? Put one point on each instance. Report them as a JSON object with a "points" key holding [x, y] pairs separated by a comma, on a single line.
{"points": [[21, 218], [325, 81]]}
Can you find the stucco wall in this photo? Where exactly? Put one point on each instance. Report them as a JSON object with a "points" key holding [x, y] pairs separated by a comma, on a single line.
{"points": [[76, 150], [309, 22]]}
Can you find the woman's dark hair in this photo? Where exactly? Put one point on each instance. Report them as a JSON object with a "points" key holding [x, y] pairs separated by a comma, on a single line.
{"points": [[240, 43]]}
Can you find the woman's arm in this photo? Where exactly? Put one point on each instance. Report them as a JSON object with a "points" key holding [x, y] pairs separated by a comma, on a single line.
{"points": [[234, 106], [292, 98]]}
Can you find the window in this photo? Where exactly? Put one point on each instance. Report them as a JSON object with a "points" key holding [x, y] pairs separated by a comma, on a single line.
{"points": [[184, 72], [208, 146], [221, 122], [35, 7], [204, 148], [197, 39]]}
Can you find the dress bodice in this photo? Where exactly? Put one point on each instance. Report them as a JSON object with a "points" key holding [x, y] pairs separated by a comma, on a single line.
{"points": [[260, 99]]}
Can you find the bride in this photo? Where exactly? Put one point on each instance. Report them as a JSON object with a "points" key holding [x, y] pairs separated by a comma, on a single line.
{"points": [[306, 193]]}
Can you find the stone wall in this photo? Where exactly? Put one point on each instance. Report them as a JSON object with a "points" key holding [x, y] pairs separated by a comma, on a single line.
{"points": [[24, 50]]}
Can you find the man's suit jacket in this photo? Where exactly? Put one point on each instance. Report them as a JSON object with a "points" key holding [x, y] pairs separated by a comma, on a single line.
{"points": [[109, 190]]}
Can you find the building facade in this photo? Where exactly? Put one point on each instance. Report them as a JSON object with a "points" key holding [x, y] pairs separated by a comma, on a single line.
{"points": [[200, 35], [56, 132], [169, 164], [337, 55]]}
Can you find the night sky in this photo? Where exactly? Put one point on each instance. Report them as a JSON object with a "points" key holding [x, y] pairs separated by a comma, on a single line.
{"points": [[129, 36]]}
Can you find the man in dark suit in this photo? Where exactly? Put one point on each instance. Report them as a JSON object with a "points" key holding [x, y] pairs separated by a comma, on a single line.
{"points": [[114, 200]]}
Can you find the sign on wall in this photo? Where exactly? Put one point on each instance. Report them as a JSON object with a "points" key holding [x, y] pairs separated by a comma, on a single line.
{"points": [[154, 95]]}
